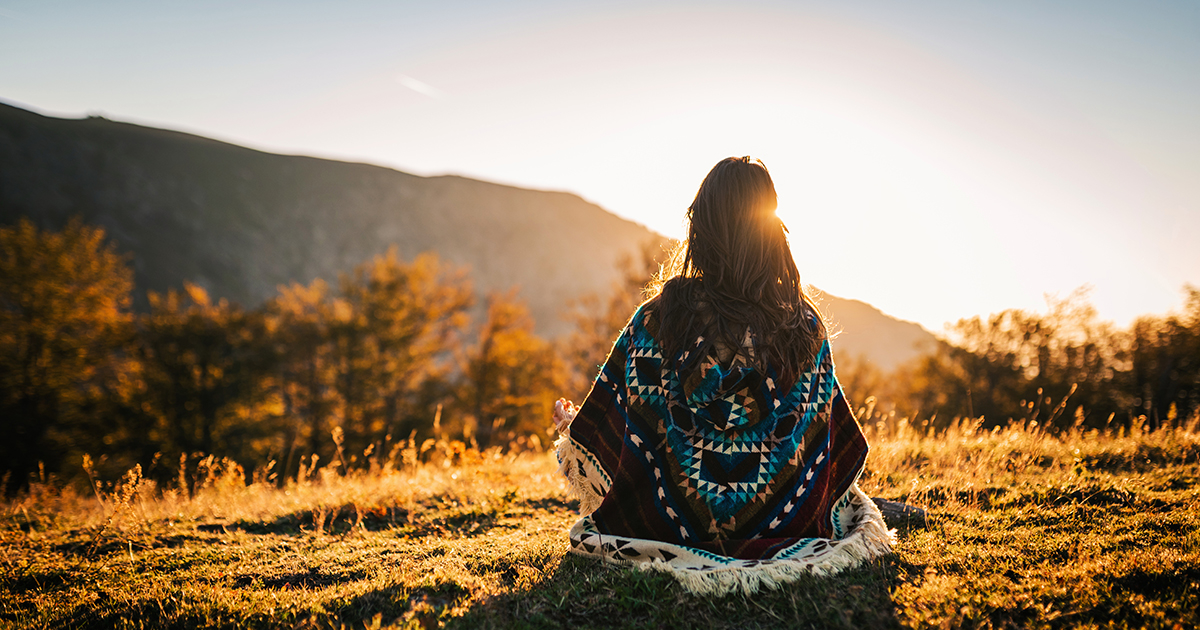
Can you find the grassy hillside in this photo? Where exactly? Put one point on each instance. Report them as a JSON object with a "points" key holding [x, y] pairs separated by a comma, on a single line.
{"points": [[1026, 530]]}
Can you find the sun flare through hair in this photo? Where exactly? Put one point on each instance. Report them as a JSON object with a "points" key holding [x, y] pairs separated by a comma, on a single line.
{"points": [[735, 273]]}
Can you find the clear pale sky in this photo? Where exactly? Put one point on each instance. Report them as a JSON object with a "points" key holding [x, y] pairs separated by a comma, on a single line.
{"points": [[936, 159]]}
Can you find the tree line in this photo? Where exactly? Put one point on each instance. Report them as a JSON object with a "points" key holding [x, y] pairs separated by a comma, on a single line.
{"points": [[397, 350], [1060, 368], [393, 349]]}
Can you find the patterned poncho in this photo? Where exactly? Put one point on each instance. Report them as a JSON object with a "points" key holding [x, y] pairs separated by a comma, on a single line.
{"points": [[714, 473]]}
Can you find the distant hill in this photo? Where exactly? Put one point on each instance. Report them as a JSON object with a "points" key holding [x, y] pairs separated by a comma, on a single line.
{"points": [[863, 332], [241, 222]]}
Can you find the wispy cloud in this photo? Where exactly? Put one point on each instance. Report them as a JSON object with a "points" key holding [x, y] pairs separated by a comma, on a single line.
{"points": [[420, 87]]}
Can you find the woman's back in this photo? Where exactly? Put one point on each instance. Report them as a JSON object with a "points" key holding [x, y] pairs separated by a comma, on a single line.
{"points": [[728, 446], [715, 443]]}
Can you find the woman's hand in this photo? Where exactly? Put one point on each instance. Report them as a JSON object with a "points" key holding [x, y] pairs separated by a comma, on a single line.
{"points": [[564, 413]]}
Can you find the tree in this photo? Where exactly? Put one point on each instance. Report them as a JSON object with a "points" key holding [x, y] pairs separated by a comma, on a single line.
{"points": [[205, 367], [371, 358], [1060, 367], [598, 321], [392, 329], [511, 378], [1161, 375], [64, 315], [300, 318]]}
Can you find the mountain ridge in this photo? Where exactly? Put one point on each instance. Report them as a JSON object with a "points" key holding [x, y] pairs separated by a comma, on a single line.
{"points": [[240, 222]]}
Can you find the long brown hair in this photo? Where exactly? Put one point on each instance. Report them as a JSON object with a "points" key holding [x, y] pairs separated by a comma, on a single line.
{"points": [[735, 272]]}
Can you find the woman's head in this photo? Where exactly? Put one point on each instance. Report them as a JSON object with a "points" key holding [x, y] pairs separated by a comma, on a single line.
{"points": [[735, 241], [735, 270]]}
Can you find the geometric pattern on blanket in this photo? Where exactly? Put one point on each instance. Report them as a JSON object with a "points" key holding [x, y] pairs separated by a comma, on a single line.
{"points": [[715, 474]]}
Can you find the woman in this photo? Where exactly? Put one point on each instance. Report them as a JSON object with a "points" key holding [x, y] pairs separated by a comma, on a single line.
{"points": [[716, 444]]}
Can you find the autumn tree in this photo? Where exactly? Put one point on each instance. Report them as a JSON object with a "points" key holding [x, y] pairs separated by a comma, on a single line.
{"points": [[510, 378], [599, 320], [64, 315], [204, 369], [299, 318], [391, 329], [862, 381], [1051, 367], [1161, 363], [1060, 367]]}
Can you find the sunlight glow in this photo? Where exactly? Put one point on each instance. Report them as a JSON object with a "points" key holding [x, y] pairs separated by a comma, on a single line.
{"points": [[938, 163]]}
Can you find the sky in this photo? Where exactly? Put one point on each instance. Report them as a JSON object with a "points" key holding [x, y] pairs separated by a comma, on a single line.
{"points": [[937, 159]]}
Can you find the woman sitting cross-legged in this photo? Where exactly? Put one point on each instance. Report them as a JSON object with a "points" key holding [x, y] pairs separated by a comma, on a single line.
{"points": [[716, 444]]}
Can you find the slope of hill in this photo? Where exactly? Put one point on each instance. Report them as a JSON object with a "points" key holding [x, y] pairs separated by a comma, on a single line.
{"points": [[240, 222], [863, 332]]}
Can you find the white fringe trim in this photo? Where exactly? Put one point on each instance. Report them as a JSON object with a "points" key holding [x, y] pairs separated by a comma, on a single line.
{"points": [[869, 540], [568, 452]]}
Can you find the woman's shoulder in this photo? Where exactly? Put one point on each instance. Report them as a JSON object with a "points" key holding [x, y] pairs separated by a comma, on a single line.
{"points": [[644, 319], [648, 306]]}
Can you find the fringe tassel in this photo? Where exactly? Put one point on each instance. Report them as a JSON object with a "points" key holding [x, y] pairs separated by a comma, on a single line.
{"points": [[567, 452], [871, 539], [869, 542]]}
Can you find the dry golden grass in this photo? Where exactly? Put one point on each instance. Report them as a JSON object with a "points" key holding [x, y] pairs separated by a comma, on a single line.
{"points": [[1026, 529]]}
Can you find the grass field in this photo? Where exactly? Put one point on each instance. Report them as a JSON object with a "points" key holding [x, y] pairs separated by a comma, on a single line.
{"points": [[1025, 530]]}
